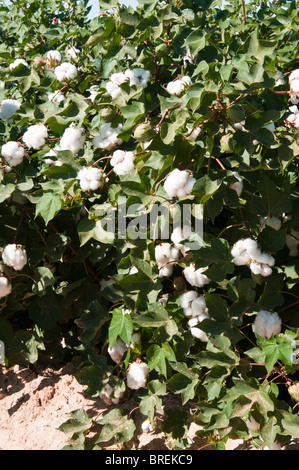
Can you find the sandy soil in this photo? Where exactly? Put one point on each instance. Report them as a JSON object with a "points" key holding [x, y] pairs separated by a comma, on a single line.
{"points": [[34, 404]]}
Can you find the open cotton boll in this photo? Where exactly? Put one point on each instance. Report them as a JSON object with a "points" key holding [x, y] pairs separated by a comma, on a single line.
{"points": [[113, 85], [72, 139], [179, 234], [273, 222], [199, 306], [8, 108], [35, 136], [14, 256], [196, 277], [56, 97], [294, 75], [267, 324], [73, 52], [238, 185], [166, 255], [108, 395], [292, 242], [137, 375], [179, 183], [138, 76], [65, 72], [239, 253], [260, 268], [5, 287], [13, 153], [187, 298], [122, 161], [279, 79], [147, 426], [90, 178], [118, 350], [108, 137], [176, 87], [54, 57], [18, 62], [193, 133]]}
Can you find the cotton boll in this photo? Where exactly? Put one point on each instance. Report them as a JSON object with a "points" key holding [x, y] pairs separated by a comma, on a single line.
{"points": [[108, 137], [196, 277], [238, 185], [35, 136], [199, 334], [73, 52], [108, 395], [65, 72], [294, 75], [240, 254], [14, 256], [199, 306], [146, 426], [54, 57], [5, 287], [122, 161], [118, 350], [13, 153], [179, 234], [113, 85], [292, 242], [138, 76], [267, 324], [72, 139], [187, 298], [177, 183], [90, 178], [279, 79], [8, 108], [193, 133], [273, 222], [166, 271], [18, 62], [165, 252], [187, 80], [175, 88], [56, 97], [137, 375], [295, 86]]}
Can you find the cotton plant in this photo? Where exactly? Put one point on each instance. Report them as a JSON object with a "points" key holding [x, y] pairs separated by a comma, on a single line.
{"points": [[13, 153], [137, 375], [195, 309], [36, 135], [73, 139], [66, 72], [8, 108], [177, 87], [108, 139], [14, 256], [122, 162], [90, 178], [166, 256], [267, 324], [247, 252], [179, 183]]}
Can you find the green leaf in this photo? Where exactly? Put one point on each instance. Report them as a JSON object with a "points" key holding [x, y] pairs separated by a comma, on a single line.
{"points": [[121, 325], [157, 355], [78, 421], [48, 206], [116, 425]]}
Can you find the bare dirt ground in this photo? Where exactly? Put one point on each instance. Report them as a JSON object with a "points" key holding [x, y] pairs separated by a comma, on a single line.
{"points": [[34, 404]]}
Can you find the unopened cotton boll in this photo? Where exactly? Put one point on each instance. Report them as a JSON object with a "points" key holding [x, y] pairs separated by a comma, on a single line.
{"points": [[35, 136], [72, 139], [108, 137], [5, 287], [137, 375], [65, 72], [122, 161], [238, 185], [54, 57], [14, 256], [138, 76], [8, 108], [13, 153], [179, 183], [90, 178], [18, 62], [267, 324], [118, 350]]}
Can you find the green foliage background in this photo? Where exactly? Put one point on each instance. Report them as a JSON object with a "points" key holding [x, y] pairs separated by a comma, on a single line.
{"points": [[57, 304]]}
